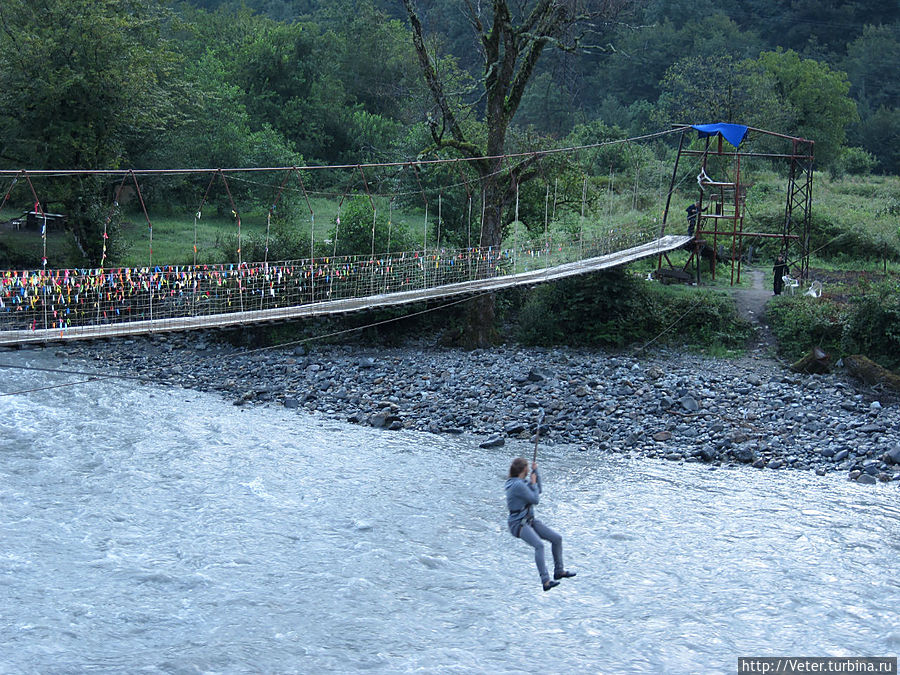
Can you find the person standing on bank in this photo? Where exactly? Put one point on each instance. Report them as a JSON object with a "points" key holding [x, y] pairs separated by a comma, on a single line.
{"points": [[522, 494], [779, 270]]}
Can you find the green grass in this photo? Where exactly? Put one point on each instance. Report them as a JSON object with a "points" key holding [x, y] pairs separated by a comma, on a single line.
{"points": [[873, 266], [855, 220], [216, 235], [30, 246]]}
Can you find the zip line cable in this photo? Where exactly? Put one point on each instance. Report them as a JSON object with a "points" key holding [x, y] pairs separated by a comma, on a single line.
{"points": [[373, 165]]}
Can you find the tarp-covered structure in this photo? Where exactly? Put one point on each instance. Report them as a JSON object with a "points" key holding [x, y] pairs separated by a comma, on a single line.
{"points": [[733, 133]]}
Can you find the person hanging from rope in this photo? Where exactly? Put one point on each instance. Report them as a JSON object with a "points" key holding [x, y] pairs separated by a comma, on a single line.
{"points": [[522, 494]]}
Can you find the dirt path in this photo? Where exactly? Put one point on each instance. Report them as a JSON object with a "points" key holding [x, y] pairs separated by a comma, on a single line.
{"points": [[751, 304]]}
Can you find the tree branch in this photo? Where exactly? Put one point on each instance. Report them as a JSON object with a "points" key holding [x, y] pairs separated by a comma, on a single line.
{"points": [[436, 87]]}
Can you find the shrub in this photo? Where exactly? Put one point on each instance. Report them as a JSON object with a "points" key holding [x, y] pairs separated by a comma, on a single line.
{"points": [[801, 323], [868, 323], [873, 324], [354, 234], [853, 162], [613, 309]]}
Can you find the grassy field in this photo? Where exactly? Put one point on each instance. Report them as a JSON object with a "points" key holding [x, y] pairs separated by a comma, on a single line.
{"points": [[854, 222]]}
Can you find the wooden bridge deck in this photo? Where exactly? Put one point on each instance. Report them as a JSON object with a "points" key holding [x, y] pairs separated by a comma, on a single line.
{"points": [[21, 337]]}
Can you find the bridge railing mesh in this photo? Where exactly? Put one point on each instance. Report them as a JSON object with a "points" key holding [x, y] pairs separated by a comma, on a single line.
{"points": [[68, 298]]}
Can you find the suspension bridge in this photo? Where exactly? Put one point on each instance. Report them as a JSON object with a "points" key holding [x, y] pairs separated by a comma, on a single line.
{"points": [[78, 304], [58, 305]]}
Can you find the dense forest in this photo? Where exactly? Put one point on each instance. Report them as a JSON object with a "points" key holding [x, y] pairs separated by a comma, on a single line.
{"points": [[111, 83], [155, 84]]}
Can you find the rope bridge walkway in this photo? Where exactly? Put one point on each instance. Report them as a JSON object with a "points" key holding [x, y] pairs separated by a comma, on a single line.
{"points": [[39, 306]]}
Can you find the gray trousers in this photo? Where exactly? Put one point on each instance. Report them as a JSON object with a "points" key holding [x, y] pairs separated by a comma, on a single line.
{"points": [[533, 534]]}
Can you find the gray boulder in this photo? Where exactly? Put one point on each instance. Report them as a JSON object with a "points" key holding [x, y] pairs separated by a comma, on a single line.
{"points": [[892, 456]]}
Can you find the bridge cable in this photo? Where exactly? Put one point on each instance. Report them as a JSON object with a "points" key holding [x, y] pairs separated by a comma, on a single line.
{"points": [[269, 169], [94, 377], [199, 214], [237, 216], [425, 241]]}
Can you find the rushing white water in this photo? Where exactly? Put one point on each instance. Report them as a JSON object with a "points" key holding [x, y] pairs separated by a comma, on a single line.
{"points": [[167, 531]]}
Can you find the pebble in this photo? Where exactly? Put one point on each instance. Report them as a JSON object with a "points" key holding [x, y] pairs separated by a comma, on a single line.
{"points": [[664, 405]]}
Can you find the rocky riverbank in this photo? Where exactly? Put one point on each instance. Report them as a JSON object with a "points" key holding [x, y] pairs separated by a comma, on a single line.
{"points": [[666, 406]]}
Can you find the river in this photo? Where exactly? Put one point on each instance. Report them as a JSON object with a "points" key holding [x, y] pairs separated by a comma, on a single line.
{"points": [[167, 531]]}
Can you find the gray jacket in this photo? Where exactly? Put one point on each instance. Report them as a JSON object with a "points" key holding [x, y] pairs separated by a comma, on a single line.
{"points": [[521, 496]]}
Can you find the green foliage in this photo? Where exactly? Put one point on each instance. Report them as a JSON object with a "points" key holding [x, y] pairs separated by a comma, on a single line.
{"points": [[801, 323], [547, 107], [153, 84], [852, 219], [871, 65], [815, 99], [879, 133], [364, 231], [615, 309], [853, 161], [867, 323], [78, 78], [700, 89], [80, 82], [873, 325]]}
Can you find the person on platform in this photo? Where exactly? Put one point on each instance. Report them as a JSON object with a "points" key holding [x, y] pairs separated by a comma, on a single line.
{"points": [[693, 213], [522, 494]]}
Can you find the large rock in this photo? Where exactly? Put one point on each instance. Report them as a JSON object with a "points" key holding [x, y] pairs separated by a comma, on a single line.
{"points": [[383, 419], [893, 456], [744, 454], [706, 453], [816, 362], [514, 428], [689, 403], [539, 375], [870, 372]]}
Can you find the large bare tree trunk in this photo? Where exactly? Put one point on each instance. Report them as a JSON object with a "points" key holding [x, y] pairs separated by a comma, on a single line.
{"points": [[480, 329], [512, 38]]}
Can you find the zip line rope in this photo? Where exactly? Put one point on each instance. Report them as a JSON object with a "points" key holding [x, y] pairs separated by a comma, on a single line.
{"points": [[419, 162]]}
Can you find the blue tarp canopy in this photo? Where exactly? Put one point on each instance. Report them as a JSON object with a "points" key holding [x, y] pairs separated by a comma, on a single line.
{"points": [[733, 133]]}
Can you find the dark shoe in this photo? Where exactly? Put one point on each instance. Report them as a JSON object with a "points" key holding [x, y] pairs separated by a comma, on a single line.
{"points": [[565, 574], [550, 584]]}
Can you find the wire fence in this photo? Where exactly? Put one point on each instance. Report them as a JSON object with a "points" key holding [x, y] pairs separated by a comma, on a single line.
{"points": [[71, 298]]}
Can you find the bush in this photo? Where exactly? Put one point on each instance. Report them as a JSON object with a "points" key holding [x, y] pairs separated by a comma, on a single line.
{"points": [[801, 323], [853, 162], [354, 236], [873, 324], [613, 309], [869, 324], [838, 242]]}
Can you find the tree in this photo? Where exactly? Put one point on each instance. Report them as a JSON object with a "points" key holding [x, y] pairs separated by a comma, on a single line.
{"points": [[717, 89], [511, 37], [815, 99], [81, 82], [879, 133], [871, 65]]}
